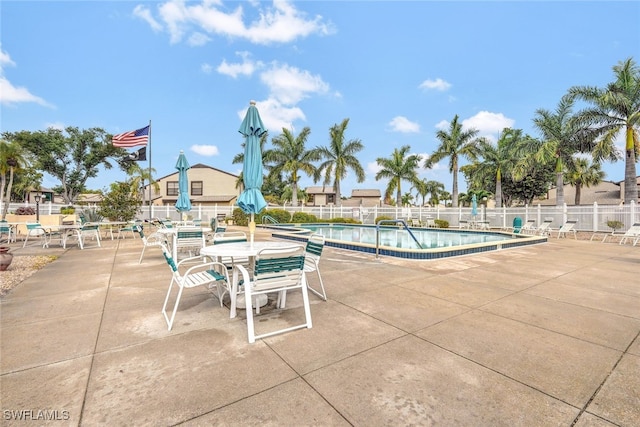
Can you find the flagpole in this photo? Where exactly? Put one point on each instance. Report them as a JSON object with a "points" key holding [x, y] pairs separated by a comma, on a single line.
{"points": [[150, 179]]}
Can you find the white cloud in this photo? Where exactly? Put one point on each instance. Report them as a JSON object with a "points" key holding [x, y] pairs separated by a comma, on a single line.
{"points": [[403, 125], [246, 68], [10, 94], [205, 150], [442, 125], [487, 123], [275, 115], [145, 14], [279, 23], [373, 168], [198, 39], [5, 59], [56, 125], [437, 84], [289, 85]]}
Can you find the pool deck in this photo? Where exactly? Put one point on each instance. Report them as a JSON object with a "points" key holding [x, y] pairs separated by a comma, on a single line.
{"points": [[542, 335]]}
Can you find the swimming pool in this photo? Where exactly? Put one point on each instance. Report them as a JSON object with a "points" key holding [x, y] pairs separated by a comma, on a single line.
{"points": [[396, 241]]}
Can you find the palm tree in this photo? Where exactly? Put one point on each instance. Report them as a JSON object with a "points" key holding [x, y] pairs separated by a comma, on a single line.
{"points": [[339, 157], [563, 137], [290, 157], [615, 108], [498, 160], [582, 173], [11, 158], [454, 144], [400, 166], [424, 187], [138, 176]]}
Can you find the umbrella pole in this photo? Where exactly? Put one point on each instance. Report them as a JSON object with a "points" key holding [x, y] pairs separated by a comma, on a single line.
{"points": [[252, 229]]}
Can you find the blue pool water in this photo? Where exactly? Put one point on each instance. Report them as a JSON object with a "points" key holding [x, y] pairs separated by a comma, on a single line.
{"points": [[399, 238]]}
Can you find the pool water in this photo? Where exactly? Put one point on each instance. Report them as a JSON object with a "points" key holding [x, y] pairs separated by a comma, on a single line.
{"points": [[399, 238]]}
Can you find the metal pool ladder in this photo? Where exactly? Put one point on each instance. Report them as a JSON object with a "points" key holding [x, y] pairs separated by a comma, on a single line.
{"points": [[393, 221]]}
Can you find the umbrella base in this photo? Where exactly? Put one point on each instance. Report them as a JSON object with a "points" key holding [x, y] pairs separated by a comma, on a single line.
{"points": [[258, 301]]}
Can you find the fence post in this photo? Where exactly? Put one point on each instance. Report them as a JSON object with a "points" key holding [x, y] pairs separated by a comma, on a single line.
{"points": [[595, 216]]}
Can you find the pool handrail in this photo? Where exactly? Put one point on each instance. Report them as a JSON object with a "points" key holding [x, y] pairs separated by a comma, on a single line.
{"points": [[270, 219], [393, 221]]}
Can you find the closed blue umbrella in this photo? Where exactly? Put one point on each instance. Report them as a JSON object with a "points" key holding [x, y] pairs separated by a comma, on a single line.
{"points": [[251, 200], [183, 204], [474, 206]]}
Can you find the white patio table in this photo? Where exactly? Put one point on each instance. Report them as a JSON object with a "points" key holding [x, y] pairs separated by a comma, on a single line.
{"points": [[242, 249], [172, 234]]}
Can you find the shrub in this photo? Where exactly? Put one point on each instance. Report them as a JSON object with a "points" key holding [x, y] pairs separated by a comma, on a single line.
{"points": [[303, 217], [239, 217], [345, 220], [441, 223], [25, 210], [91, 215], [69, 210], [382, 218]]}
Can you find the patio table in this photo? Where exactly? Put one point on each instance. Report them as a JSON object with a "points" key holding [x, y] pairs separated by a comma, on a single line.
{"points": [[242, 249]]}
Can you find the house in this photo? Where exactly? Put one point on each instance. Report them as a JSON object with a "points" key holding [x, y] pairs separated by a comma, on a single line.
{"points": [[208, 186], [366, 198], [605, 193], [320, 196]]}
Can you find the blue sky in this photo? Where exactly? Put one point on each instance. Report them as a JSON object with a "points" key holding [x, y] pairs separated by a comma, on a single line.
{"points": [[398, 70]]}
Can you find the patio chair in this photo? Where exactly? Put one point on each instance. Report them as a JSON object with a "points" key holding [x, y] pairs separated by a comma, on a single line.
{"points": [[276, 270], [568, 227], [153, 240], [189, 239], [89, 231], [529, 226], [231, 237], [209, 274], [129, 228], [544, 228], [464, 224], [35, 230], [632, 233], [8, 231], [313, 251]]}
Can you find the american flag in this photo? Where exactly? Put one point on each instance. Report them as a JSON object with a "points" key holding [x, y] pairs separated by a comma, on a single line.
{"points": [[131, 138]]}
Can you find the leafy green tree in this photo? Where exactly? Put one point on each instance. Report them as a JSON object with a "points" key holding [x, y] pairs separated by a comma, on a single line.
{"points": [[614, 109], [562, 137], [338, 158], [497, 160], [407, 199], [120, 203], [535, 183], [400, 166], [137, 178], [12, 158], [289, 156], [72, 156], [583, 173], [454, 144]]}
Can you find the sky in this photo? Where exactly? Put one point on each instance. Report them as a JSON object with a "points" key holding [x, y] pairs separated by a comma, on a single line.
{"points": [[398, 70]]}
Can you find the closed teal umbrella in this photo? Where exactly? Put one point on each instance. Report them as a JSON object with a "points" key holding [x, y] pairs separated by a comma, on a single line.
{"points": [[251, 200], [474, 206], [183, 204]]}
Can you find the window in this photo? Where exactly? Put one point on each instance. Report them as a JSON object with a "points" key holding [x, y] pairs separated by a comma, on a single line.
{"points": [[172, 188], [196, 188], [331, 198]]}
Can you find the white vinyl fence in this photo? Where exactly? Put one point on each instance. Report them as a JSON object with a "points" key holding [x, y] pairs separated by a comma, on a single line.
{"points": [[590, 218]]}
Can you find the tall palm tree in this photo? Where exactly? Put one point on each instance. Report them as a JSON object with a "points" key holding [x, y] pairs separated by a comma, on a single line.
{"points": [[289, 156], [498, 160], [338, 158], [583, 173], [138, 176], [562, 137], [616, 107], [454, 144], [426, 187], [400, 166], [12, 157]]}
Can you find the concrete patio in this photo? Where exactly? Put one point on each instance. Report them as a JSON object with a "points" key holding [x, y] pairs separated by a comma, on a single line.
{"points": [[546, 335]]}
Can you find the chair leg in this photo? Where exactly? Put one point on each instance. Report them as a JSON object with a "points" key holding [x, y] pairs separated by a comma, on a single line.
{"points": [[251, 333], [175, 307], [322, 294], [142, 254]]}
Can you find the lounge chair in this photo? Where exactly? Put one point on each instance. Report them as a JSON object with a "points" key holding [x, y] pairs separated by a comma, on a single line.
{"points": [[529, 226], [544, 228], [632, 233], [567, 228]]}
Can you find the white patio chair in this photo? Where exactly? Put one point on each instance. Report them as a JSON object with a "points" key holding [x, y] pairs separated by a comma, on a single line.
{"points": [[189, 239], [276, 270], [568, 227], [529, 227], [544, 228], [37, 231], [8, 231], [89, 231], [210, 274], [313, 251], [632, 233], [153, 240]]}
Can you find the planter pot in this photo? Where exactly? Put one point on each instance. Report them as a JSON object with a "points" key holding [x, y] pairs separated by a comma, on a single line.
{"points": [[5, 258]]}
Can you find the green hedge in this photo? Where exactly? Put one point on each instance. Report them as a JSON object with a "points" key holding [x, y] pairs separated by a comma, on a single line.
{"points": [[303, 218]]}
